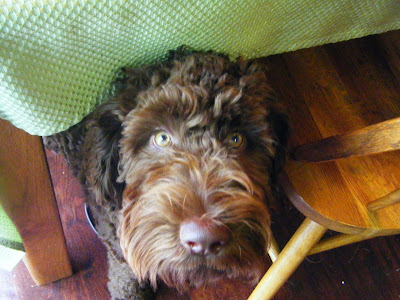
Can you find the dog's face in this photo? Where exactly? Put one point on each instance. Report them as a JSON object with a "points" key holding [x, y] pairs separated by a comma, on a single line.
{"points": [[196, 156]]}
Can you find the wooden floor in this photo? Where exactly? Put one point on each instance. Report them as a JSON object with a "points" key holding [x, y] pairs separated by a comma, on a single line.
{"points": [[367, 67]]}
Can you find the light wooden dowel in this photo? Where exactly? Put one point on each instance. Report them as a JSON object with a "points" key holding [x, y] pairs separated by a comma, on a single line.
{"points": [[273, 250], [339, 241], [381, 137], [385, 201], [306, 236]]}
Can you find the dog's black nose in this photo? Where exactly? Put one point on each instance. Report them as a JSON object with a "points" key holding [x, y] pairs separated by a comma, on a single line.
{"points": [[203, 236]]}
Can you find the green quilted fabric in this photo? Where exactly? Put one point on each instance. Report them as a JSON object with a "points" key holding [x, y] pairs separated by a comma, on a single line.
{"points": [[58, 57], [9, 236]]}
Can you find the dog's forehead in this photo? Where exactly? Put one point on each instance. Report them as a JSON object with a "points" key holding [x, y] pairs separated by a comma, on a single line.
{"points": [[206, 100], [191, 107]]}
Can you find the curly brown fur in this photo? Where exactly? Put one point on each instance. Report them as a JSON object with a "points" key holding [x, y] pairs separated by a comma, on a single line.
{"points": [[142, 193]]}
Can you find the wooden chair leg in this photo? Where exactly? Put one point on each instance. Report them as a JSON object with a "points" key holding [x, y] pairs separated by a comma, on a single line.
{"points": [[340, 240], [306, 236], [385, 201], [30, 202], [273, 250]]}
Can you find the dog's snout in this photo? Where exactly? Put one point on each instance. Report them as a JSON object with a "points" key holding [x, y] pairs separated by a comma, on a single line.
{"points": [[203, 236]]}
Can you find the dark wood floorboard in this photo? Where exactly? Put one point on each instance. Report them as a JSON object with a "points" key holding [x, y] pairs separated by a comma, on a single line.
{"points": [[367, 67]]}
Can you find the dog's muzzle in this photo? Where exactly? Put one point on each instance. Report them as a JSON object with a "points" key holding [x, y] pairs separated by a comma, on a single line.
{"points": [[203, 236], [193, 219]]}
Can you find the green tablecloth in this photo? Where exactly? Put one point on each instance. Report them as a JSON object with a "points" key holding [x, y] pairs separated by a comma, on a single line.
{"points": [[9, 236], [58, 57]]}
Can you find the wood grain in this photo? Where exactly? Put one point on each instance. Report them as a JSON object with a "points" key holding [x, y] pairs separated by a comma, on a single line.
{"points": [[339, 89], [373, 139], [385, 201], [30, 203], [87, 253]]}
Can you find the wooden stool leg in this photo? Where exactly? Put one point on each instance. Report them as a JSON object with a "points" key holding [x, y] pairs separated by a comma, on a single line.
{"points": [[273, 250], [339, 241], [31, 205], [385, 201], [306, 236]]}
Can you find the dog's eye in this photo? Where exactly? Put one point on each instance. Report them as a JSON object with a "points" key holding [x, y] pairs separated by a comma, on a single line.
{"points": [[236, 140], [162, 139]]}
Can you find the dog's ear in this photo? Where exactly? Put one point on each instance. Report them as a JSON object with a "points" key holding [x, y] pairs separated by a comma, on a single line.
{"points": [[92, 152], [103, 129], [91, 147], [101, 154], [254, 80], [279, 121]]}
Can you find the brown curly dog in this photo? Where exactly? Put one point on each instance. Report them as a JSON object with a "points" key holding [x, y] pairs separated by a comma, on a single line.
{"points": [[178, 168]]}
